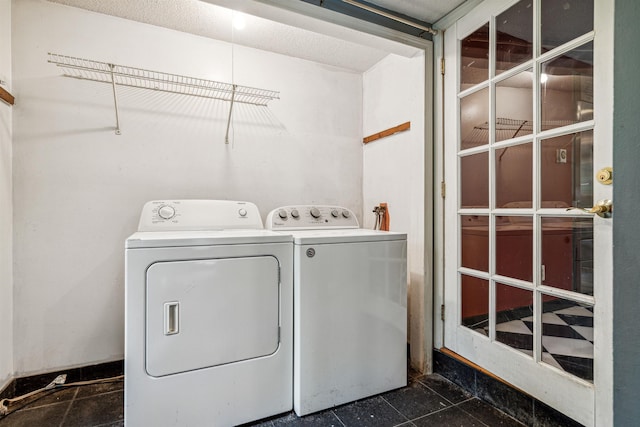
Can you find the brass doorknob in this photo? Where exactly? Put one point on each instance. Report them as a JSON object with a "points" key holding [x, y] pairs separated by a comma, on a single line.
{"points": [[603, 208], [605, 176]]}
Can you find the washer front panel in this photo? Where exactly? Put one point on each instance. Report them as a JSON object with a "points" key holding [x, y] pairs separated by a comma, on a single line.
{"points": [[212, 312], [350, 322]]}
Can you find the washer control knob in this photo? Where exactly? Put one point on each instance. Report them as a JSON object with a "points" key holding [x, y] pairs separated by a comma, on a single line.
{"points": [[346, 213], [334, 213], [282, 214], [295, 214], [166, 212], [242, 212], [315, 212]]}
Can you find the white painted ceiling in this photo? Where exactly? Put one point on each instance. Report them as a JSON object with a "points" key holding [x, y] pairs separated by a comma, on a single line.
{"points": [[339, 47]]}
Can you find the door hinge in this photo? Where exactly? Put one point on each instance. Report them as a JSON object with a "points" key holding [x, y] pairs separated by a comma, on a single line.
{"points": [[443, 189], [442, 312], [442, 66]]}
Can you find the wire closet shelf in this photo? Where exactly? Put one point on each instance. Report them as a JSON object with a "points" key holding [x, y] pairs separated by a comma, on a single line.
{"points": [[87, 69]]}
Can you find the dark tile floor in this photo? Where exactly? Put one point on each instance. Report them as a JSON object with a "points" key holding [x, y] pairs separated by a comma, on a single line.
{"points": [[81, 406], [427, 401]]}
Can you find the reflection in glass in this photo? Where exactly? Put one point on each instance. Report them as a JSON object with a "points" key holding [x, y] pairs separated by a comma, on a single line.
{"points": [[514, 247], [514, 36], [474, 294], [474, 119], [563, 21], [474, 57], [567, 336], [514, 326], [566, 164], [567, 254], [567, 88], [475, 242], [514, 181], [474, 181], [514, 106]]}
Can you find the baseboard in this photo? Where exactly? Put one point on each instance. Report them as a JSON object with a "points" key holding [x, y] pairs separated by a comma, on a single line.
{"points": [[21, 385], [7, 391], [488, 387]]}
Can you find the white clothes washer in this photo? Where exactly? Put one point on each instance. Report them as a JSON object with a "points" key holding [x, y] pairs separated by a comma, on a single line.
{"points": [[208, 316], [350, 306]]}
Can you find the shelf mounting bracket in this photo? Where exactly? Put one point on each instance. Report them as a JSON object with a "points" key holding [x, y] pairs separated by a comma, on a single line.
{"points": [[115, 98], [233, 97]]}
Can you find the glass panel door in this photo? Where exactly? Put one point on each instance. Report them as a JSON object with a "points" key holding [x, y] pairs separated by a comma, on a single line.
{"points": [[523, 272]]}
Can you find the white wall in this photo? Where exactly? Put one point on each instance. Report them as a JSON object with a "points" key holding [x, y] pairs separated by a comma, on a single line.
{"points": [[79, 188], [394, 170], [6, 203]]}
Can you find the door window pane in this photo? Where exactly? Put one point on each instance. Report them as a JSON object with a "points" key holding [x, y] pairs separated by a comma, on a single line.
{"points": [[474, 179], [513, 306], [475, 242], [567, 254], [474, 303], [474, 119], [514, 247], [564, 20], [566, 164], [567, 336], [566, 91], [514, 106], [474, 57], [525, 154], [514, 36], [514, 181]]}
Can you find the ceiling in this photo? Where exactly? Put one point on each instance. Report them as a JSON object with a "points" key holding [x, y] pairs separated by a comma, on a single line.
{"points": [[294, 35]]}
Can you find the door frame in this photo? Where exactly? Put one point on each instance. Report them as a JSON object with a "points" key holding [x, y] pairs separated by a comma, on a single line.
{"points": [[603, 89]]}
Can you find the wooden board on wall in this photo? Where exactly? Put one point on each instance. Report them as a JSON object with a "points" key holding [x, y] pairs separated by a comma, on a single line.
{"points": [[400, 128], [6, 96]]}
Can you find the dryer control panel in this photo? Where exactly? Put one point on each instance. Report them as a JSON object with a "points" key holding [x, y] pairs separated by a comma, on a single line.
{"points": [[310, 217], [194, 215]]}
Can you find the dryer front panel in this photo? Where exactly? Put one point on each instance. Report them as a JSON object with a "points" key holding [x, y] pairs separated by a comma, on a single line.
{"points": [[205, 313]]}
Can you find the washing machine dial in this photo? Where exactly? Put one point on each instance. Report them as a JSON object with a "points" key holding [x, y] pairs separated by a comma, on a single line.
{"points": [[166, 212], [242, 212], [315, 212], [334, 213], [282, 214], [346, 213], [295, 214]]}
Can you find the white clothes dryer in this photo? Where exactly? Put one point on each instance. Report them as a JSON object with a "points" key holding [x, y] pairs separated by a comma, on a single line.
{"points": [[350, 306], [208, 316]]}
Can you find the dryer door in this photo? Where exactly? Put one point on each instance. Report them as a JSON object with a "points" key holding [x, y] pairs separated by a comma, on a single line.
{"points": [[205, 313]]}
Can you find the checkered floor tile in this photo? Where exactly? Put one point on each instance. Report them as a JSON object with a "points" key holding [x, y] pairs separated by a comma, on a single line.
{"points": [[567, 337]]}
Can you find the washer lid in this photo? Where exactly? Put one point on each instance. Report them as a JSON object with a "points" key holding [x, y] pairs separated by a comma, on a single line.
{"points": [[314, 237], [162, 239]]}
